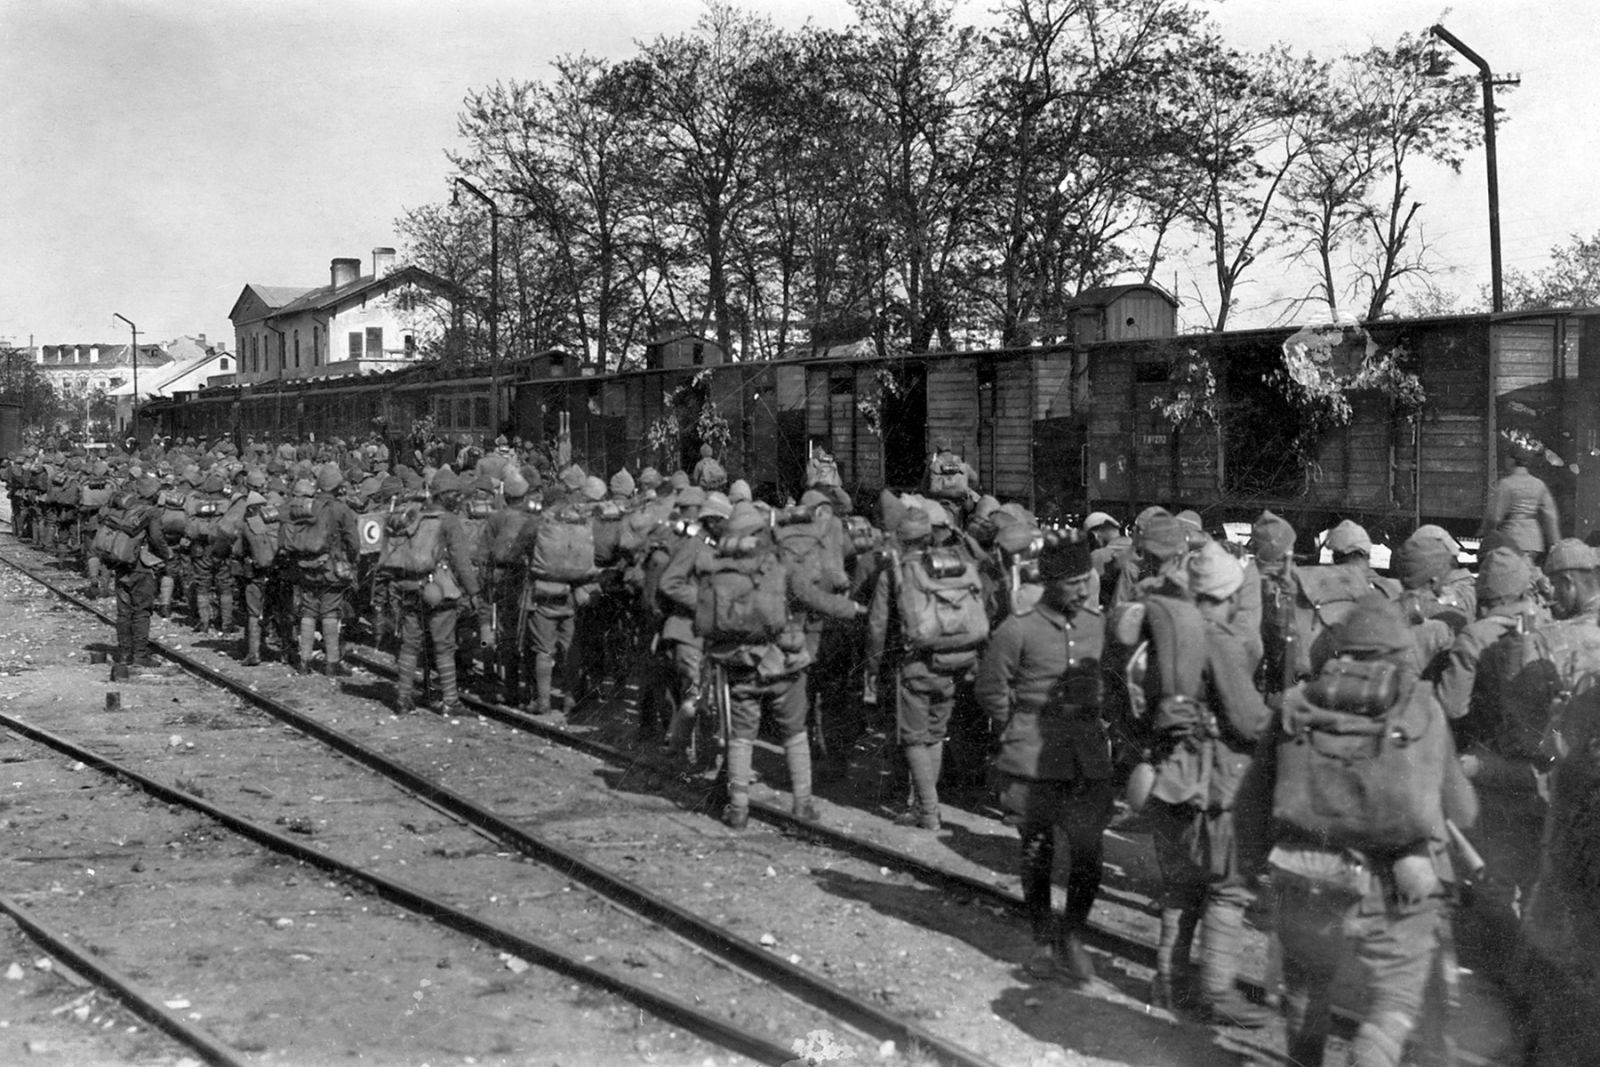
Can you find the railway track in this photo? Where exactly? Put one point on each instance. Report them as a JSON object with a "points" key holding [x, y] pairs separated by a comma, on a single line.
{"points": [[1119, 938], [836, 1005]]}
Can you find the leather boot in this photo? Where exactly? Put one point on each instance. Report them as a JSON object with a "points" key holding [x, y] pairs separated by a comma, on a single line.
{"points": [[924, 763], [308, 640], [252, 641], [1172, 987], [740, 759], [797, 756], [1221, 931], [543, 673], [333, 665]]}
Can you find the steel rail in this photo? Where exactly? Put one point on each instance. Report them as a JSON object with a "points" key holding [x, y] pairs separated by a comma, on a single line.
{"points": [[665, 1006], [794, 980], [1131, 948], [144, 1005]]}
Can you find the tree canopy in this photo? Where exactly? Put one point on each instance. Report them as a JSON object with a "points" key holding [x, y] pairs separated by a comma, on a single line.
{"points": [[923, 181]]}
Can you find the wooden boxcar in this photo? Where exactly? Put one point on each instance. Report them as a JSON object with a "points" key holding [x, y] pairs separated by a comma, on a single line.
{"points": [[1531, 377], [1063, 428]]}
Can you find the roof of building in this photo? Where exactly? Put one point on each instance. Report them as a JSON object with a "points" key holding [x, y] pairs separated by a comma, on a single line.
{"points": [[1106, 295], [167, 375], [289, 300]]}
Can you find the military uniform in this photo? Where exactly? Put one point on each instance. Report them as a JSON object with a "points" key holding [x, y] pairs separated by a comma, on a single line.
{"points": [[1040, 682], [419, 619], [136, 584], [1384, 909]]}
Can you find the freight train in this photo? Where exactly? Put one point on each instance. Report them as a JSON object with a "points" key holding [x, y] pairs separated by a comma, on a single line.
{"points": [[1394, 423]]}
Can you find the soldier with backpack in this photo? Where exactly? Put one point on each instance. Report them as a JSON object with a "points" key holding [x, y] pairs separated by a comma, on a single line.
{"points": [[749, 607], [135, 548], [935, 594], [501, 560], [810, 537], [209, 550], [1357, 796], [559, 546], [319, 543], [1481, 661], [1202, 717], [256, 549], [426, 553], [1041, 683], [679, 649]]}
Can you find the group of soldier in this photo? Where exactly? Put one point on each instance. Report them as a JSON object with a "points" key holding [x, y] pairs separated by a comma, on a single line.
{"points": [[1161, 674]]}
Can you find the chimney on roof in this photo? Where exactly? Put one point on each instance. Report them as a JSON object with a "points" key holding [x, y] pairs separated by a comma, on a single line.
{"points": [[382, 262], [202, 339], [344, 271]]}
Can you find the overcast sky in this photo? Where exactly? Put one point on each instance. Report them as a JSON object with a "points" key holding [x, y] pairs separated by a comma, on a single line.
{"points": [[159, 154]]}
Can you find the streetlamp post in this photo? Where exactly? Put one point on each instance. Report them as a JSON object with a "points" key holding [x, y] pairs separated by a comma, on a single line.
{"points": [[1486, 76], [133, 419], [494, 302]]}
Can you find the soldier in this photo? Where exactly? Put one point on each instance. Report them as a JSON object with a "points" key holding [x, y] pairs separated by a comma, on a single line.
{"points": [[209, 551], [136, 580], [1040, 682], [560, 575], [1204, 731], [813, 539], [763, 664], [1157, 563], [320, 539], [679, 647], [256, 549], [1109, 548], [1364, 882], [427, 552], [1432, 583], [1351, 545], [501, 560], [1477, 666], [940, 648], [1521, 509]]}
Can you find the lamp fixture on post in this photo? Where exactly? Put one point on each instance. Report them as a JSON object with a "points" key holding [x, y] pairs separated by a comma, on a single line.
{"points": [[494, 297], [1489, 81], [133, 419]]}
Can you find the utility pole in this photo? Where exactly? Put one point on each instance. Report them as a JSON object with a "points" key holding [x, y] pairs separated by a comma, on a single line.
{"points": [[133, 420], [494, 302], [1486, 76]]}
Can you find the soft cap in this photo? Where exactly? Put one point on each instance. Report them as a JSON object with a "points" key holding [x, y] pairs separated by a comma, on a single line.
{"points": [[1162, 536], [1421, 560], [1271, 538], [1213, 572], [622, 483], [1571, 555], [1375, 626], [1504, 572], [1348, 537]]}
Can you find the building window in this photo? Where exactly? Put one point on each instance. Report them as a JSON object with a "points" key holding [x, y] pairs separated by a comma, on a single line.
{"points": [[297, 348], [355, 344], [374, 342], [316, 345], [410, 342], [699, 353], [283, 353], [223, 363]]}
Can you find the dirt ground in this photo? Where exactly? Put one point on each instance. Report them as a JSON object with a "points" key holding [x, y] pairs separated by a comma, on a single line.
{"points": [[344, 987]]}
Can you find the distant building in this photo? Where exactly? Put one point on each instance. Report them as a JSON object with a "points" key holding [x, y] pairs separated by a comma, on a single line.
{"points": [[192, 363], [677, 348], [1121, 312], [356, 324], [77, 370]]}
